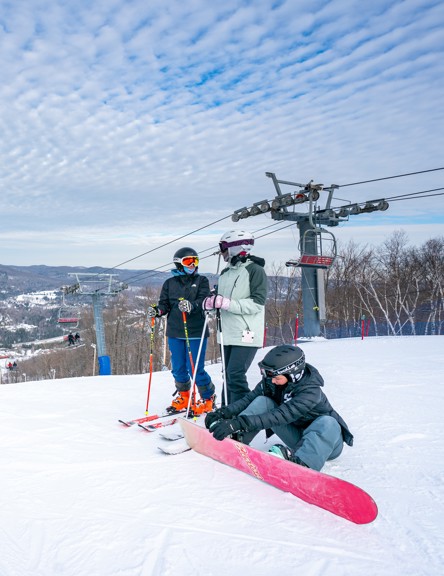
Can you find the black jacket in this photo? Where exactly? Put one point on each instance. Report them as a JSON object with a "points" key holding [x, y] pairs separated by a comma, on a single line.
{"points": [[190, 287], [299, 403]]}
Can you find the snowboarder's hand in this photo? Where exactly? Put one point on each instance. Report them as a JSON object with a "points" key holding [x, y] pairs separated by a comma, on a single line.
{"points": [[185, 306], [224, 428], [213, 417], [153, 311]]}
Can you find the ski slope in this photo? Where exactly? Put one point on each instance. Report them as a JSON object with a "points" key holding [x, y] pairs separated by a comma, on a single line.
{"points": [[80, 495]]}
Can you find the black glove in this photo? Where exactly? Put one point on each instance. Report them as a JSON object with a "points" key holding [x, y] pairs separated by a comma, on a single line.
{"points": [[224, 428], [153, 311], [185, 306], [212, 417]]}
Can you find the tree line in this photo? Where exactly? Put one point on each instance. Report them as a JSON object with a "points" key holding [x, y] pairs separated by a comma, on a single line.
{"points": [[396, 288]]}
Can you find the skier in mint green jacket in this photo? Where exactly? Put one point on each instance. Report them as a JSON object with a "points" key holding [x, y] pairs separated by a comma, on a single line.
{"points": [[241, 296]]}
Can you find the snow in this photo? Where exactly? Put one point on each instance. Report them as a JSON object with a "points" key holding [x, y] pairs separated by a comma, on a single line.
{"points": [[81, 495], [37, 298]]}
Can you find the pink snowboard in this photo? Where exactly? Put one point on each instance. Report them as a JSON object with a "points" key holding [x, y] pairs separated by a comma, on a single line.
{"points": [[332, 494]]}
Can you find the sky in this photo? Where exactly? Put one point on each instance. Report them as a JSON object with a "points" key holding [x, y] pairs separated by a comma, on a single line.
{"points": [[81, 495], [129, 124]]}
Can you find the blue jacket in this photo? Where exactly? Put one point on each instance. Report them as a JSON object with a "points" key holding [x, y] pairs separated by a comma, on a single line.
{"points": [[190, 287]]}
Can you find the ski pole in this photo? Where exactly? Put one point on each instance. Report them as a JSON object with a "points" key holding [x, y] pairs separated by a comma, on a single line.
{"points": [[221, 340], [193, 381], [153, 323], [187, 340]]}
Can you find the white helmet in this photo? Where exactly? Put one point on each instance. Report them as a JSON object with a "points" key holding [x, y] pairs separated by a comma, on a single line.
{"points": [[235, 242]]}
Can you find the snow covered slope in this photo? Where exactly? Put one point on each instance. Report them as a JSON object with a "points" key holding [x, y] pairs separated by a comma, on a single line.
{"points": [[81, 495]]}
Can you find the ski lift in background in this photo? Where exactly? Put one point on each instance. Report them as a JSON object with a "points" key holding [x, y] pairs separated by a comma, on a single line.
{"points": [[318, 250], [68, 319], [68, 316]]}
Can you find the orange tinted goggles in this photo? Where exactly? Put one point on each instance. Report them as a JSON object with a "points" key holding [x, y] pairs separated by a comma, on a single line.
{"points": [[190, 261]]}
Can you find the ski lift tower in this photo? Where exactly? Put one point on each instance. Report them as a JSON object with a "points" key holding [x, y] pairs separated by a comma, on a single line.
{"points": [[99, 287], [317, 245]]}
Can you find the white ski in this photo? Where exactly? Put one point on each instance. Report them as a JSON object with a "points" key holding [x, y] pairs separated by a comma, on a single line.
{"points": [[175, 447], [171, 436]]}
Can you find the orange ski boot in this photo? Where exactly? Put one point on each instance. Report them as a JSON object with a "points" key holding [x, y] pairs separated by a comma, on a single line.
{"points": [[203, 406], [180, 402]]}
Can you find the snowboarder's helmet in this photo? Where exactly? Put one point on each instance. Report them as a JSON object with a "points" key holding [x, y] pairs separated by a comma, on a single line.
{"points": [[187, 257], [236, 242], [283, 359]]}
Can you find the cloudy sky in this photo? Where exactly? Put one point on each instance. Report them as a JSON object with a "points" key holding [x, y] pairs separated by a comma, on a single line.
{"points": [[126, 124]]}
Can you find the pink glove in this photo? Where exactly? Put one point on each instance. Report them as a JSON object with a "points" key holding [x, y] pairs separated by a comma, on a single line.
{"points": [[208, 303], [213, 302], [222, 302]]}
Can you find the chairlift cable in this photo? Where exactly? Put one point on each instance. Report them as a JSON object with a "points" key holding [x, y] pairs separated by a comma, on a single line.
{"points": [[150, 273], [167, 243], [390, 177], [409, 195]]}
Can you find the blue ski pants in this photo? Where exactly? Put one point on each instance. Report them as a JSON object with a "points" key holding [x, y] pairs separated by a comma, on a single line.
{"points": [[320, 441], [181, 366]]}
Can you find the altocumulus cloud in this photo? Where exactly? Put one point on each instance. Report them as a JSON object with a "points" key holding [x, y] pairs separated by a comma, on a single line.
{"points": [[129, 123]]}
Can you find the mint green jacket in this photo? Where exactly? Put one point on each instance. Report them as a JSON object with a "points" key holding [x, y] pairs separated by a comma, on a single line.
{"points": [[245, 283]]}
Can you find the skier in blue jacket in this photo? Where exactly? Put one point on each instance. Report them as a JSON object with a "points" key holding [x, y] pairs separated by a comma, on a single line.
{"points": [[182, 293]]}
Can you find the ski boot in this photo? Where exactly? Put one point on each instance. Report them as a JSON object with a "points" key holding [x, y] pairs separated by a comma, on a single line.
{"points": [[180, 403], [285, 453], [203, 406]]}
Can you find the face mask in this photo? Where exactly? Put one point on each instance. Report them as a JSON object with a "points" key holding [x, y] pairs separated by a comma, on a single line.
{"points": [[189, 270]]}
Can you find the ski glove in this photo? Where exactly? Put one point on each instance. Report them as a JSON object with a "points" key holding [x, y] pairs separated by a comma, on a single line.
{"points": [[214, 302], [153, 311], [223, 428], [185, 306], [213, 417]]}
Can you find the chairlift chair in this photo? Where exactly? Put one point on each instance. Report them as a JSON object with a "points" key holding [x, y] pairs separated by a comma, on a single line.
{"points": [[68, 315], [320, 241], [68, 319]]}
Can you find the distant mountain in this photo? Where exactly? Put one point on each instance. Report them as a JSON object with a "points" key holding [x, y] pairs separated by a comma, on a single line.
{"points": [[16, 280]]}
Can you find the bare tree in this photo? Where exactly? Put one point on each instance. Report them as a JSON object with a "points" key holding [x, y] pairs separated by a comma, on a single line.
{"points": [[283, 304], [430, 259], [345, 300]]}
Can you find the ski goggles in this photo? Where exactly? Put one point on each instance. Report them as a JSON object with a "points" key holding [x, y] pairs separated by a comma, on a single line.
{"points": [[293, 367], [267, 373], [188, 261], [225, 245]]}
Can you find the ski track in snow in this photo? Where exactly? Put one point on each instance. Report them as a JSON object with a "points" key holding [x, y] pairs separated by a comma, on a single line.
{"points": [[81, 495]]}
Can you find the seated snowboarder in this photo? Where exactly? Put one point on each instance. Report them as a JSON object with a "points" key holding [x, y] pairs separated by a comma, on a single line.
{"points": [[288, 402]]}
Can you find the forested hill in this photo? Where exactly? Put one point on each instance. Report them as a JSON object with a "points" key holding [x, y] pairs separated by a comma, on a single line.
{"points": [[24, 279]]}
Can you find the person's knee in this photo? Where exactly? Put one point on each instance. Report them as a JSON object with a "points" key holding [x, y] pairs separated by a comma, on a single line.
{"points": [[259, 405], [328, 425]]}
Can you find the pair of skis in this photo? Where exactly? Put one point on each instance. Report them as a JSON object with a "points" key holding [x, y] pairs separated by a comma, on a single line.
{"points": [[154, 422]]}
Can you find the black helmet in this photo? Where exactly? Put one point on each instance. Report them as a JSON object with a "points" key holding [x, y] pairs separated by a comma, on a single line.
{"points": [[283, 359], [182, 253]]}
